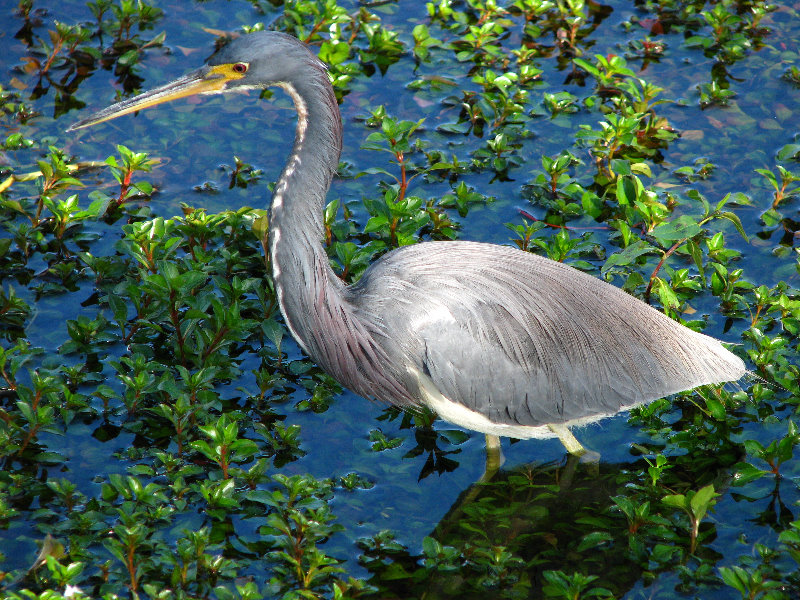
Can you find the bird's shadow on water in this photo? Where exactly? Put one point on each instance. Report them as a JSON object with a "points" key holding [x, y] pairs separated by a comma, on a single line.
{"points": [[508, 531], [505, 534]]}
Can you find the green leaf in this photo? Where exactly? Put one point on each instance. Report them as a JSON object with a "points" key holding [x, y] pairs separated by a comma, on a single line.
{"points": [[626, 190], [789, 152], [701, 501], [676, 501], [744, 473], [697, 256], [188, 281], [431, 547], [589, 68], [716, 408], [628, 255], [681, 228], [667, 296], [663, 552], [771, 217], [203, 447], [334, 52], [455, 436], [594, 539], [737, 578], [737, 222], [374, 171]]}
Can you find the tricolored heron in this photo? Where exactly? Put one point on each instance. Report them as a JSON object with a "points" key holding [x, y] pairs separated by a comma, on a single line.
{"points": [[491, 338]]}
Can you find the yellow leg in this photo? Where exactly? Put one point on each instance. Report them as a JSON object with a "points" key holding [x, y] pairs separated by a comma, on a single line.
{"points": [[572, 445], [575, 448], [494, 457]]}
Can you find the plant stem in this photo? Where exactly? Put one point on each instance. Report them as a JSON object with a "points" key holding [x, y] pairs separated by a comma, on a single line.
{"points": [[660, 264]]}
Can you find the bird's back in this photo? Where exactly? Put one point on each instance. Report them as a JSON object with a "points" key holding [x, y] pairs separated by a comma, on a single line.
{"points": [[523, 340]]}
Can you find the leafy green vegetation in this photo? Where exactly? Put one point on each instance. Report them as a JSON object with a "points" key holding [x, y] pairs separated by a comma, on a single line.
{"points": [[162, 436]]}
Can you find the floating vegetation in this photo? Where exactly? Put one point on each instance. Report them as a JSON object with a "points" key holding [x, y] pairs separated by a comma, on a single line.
{"points": [[161, 434]]}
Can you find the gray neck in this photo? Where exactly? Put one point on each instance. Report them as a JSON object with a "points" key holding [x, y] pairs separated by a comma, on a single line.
{"points": [[319, 309], [300, 269]]}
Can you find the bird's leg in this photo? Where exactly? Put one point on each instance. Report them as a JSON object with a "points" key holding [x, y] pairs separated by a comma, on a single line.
{"points": [[573, 446], [494, 457]]}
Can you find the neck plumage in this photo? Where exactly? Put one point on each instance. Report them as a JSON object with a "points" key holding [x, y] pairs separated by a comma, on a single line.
{"points": [[300, 269], [319, 308]]}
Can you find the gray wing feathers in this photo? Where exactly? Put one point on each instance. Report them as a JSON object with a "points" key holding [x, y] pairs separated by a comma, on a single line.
{"points": [[528, 341]]}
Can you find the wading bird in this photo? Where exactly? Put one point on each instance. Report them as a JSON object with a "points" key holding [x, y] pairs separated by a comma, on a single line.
{"points": [[491, 338]]}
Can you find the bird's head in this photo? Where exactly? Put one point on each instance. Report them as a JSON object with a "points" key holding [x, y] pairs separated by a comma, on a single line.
{"points": [[257, 60]]}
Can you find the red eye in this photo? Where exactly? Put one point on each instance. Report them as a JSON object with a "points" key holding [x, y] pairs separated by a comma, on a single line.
{"points": [[240, 68]]}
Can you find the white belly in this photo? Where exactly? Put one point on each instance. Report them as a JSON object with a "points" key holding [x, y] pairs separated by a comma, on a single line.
{"points": [[460, 415]]}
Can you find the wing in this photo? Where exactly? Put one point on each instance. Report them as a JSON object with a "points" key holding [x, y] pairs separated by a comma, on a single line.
{"points": [[525, 340]]}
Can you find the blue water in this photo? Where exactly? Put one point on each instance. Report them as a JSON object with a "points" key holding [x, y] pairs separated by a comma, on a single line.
{"points": [[193, 139]]}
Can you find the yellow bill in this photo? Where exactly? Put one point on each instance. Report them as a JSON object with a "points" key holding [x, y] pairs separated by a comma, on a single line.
{"points": [[206, 80]]}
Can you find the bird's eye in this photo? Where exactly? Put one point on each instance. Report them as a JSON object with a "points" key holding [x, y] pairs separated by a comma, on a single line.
{"points": [[240, 68]]}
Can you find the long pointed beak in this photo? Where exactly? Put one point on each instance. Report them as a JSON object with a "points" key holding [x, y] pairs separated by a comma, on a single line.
{"points": [[205, 80]]}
